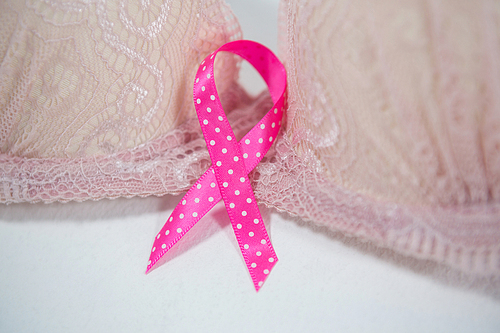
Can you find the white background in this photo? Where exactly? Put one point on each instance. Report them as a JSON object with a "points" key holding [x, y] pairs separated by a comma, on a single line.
{"points": [[79, 267]]}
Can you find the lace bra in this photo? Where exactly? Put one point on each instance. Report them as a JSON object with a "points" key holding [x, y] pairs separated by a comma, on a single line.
{"points": [[393, 121]]}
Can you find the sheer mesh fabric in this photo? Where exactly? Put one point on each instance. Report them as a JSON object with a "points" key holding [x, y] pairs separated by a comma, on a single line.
{"points": [[394, 124], [393, 119]]}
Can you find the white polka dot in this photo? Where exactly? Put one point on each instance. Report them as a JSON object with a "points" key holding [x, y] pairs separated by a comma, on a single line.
{"points": [[273, 125], [230, 171], [217, 130], [246, 246], [212, 97], [251, 234], [224, 150], [253, 265], [229, 138], [245, 155], [154, 249], [209, 110], [198, 101], [183, 202], [275, 111], [171, 218], [258, 154], [238, 226], [167, 232], [225, 184], [266, 271], [179, 230], [262, 126], [242, 179], [198, 186], [256, 221], [261, 140], [247, 141], [212, 185], [236, 158], [208, 76], [202, 88], [164, 246], [270, 139], [197, 80], [205, 122], [204, 67], [195, 214], [237, 192], [258, 253], [197, 200], [220, 118], [219, 163], [244, 213], [263, 241], [212, 142], [231, 205], [271, 259], [261, 283], [181, 216], [249, 200], [210, 199], [157, 237], [149, 262]]}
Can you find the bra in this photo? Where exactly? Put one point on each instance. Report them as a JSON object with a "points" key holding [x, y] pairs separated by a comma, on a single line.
{"points": [[391, 135]]}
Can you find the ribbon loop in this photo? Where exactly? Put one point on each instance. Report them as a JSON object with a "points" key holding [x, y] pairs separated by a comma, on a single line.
{"points": [[227, 178]]}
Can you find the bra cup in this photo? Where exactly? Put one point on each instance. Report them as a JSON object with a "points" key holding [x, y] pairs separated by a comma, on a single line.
{"points": [[397, 100], [98, 78]]}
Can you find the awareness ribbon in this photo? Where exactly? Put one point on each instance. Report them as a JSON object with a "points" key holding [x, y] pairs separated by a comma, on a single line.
{"points": [[227, 178]]}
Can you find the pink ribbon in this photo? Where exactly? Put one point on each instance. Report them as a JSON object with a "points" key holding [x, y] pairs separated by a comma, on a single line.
{"points": [[227, 178]]}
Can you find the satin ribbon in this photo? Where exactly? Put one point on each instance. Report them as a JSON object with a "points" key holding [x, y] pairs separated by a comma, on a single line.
{"points": [[227, 178]]}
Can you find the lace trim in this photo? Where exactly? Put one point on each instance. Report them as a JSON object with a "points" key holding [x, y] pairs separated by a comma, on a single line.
{"points": [[465, 238]]}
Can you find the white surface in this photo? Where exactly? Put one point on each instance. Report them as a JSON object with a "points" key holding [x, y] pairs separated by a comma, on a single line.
{"points": [[79, 267]]}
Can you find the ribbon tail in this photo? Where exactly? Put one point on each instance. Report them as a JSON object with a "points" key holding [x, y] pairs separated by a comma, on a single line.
{"points": [[198, 201]]}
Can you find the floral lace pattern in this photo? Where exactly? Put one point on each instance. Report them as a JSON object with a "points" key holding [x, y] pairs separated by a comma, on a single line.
{"points": [[93, 78]]}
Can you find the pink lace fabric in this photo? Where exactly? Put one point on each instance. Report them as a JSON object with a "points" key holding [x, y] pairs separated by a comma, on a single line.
{"points": [[96, 96], [393, 128], [394, 125]]}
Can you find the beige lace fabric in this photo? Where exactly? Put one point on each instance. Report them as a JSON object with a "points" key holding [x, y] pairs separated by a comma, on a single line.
{"points": [[393, 119], [96, 96]]}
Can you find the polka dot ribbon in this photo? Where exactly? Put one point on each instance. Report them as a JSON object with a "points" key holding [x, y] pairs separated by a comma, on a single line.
{"points": [[227, 178]]}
